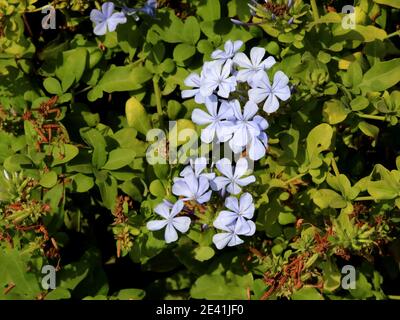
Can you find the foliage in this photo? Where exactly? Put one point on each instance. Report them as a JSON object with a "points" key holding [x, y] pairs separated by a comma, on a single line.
{"points": [[76, 189]]}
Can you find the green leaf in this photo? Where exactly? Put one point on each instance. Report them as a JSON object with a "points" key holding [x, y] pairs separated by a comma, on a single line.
{"points": [[307, 293], [82, 183], [72, 68], [14, 270], [119, 158], [209, 10], [191, 30], [285, 218], [369, 129], [137, 116], [203, 253], [108, 189], [319, 139], [183, 51], [325, 198], [125, 78], [64, 153], [157, 188], [218, 287], [392, 3], [334, 111], [382, 76], [130, 294], [52, 86], [96, 140], [48, 180]]}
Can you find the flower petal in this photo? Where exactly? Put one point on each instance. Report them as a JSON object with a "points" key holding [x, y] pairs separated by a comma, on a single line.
{"points": [[222, 239], [181, 224], [200, 117], [170, 233], [232, 204], [163, 210], [155, 225], [116, 19], [241, 167], [225, 167], [256, 55]]}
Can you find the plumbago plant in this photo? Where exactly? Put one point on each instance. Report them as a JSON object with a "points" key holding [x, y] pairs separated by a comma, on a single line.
{"points": [[166, 149]]}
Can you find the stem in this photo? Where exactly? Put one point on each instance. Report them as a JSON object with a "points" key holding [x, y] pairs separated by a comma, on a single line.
{"points": [[367, 198], [314, 9], [157, 92], [295, 178], [396, 33], [370, 116], [335, 168]]}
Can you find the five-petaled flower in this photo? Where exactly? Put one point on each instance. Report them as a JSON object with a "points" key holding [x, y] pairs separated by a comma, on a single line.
{"points": [[196, 168], [232, 232], [232, 179], [240, 211], [230, 48], [262, 89], [171, 222], [251, 67], [106, 20], [217, 75], [192, 188], [216, 118], [248, 125]]}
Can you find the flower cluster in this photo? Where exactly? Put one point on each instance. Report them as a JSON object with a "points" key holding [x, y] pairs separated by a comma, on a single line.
{"points": [[194, 187], [229, 74], [224, 119], [107, 19]]}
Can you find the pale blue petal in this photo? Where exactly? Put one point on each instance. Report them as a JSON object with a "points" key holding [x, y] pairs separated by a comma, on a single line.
{"points": [[245, 181], [200, 117], [155, 225], [257, 95], [235, 240], [97, 16], [116, 19], [100, 29], [178, 206], [163, 210], [241, 167], [107, 8], [256, 55], [225, 167], [204, 198], [226, 218], [242, 60], [181, 224], [220, 183], [233, 188], [170, 234], [222, 239], [180, 188], [208, 133], [271, 104], [232, 204]]}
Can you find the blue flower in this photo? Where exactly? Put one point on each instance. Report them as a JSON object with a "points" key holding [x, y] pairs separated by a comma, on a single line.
{"points": [[192, 188], [248, 125], [232, 232], [196, 168], [217, 76], [233, 179], [251, 67], [193, 80], [105, 20], [230, 48], [149, 8], [170, 221], [240, 211], [216, 119], [263, 90]]}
